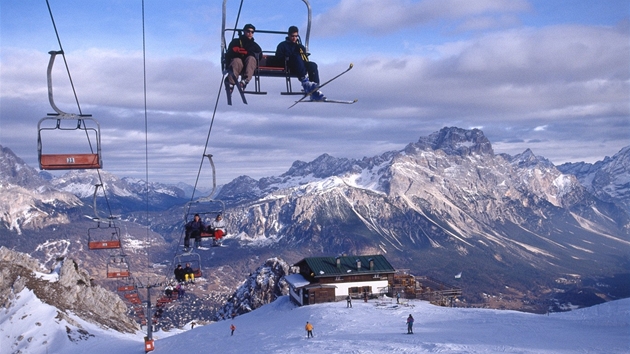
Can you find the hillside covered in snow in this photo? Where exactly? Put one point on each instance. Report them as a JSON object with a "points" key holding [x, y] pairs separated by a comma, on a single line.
{"points": [[377, 326]]}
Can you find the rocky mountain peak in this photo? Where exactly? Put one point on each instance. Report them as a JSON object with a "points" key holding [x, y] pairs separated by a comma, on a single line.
{"points": [[262, 287], [608, 179], [322, 167], [15, 171], [457, 141], [67, 287], [528, 159]]}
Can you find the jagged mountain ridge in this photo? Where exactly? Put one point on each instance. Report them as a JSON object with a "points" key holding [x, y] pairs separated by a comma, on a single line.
{"points": [[438, 205], [262, 287], [441, 205], [607, 179], [32, 200], [28, 201]]}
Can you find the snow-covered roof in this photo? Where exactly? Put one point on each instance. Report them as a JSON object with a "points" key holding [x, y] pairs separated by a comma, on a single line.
{"points": [[296, 280]]}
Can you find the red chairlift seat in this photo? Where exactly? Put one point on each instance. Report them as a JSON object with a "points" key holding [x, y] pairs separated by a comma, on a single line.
{"points": [[89, 158], [125, 288], [117, 267], [69, 161], [104, 237]]}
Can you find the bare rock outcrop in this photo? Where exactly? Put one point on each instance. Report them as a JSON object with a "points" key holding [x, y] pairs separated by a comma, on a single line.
{"points": [[67, 287]]}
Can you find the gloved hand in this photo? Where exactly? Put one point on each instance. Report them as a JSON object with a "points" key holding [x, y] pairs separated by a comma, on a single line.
{"points": [[240, 50]]}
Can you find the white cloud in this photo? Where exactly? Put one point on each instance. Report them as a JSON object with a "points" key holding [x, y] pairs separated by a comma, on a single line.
{"points": [[383, 17]]}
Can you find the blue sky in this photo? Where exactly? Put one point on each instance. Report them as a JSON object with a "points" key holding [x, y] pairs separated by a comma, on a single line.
{"points": [[552, 76]]}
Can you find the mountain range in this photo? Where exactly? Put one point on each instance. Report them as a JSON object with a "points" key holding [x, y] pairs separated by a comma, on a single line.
{"points": [[530, 235], [61, 311]]}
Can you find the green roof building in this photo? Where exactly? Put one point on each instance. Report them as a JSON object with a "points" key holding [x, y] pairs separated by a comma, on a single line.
{"points": [[328, 279]]}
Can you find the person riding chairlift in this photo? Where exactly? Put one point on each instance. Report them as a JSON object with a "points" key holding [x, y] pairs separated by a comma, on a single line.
{"points": [[298, 62], [217, 228]]}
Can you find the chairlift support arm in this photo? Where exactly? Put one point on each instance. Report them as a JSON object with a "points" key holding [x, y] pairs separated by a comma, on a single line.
{"points": [[53, 54], [223, 29]]}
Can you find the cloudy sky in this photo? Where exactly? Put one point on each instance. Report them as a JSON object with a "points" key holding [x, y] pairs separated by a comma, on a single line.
{"points": [[552, 76]]}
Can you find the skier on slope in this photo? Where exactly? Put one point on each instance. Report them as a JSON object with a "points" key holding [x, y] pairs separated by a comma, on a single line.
{"points": [[410, 324], [309, 329]]}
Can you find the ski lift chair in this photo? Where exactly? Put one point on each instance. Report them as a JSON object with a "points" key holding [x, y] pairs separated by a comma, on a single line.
{"points": [[65, 122], [103, 237], [118, 267], [268, 65], [193, 258]]}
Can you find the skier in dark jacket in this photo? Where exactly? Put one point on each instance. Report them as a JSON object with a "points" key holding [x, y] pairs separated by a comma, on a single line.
{"points": [[242, 57], [179, 273], [194, 229], [307, 72]]}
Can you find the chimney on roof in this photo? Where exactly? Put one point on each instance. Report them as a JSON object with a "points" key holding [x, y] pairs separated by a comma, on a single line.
{"points": [[371, 263], [358, 264], [338, 259]]}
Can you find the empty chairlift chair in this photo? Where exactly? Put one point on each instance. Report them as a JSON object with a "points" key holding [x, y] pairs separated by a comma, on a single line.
{"points": [[66, 136], [118, 267], [105, 236]]}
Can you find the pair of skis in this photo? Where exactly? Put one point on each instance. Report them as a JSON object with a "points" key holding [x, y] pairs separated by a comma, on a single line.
{"points": [[326, 100], [229, 88]]}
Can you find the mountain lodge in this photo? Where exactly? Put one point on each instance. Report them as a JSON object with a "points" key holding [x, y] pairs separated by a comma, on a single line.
{"points": [[329, 279]]}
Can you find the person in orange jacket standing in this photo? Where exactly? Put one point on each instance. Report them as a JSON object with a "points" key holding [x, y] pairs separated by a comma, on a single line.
{"points": [[309, 330], [232, 328]]}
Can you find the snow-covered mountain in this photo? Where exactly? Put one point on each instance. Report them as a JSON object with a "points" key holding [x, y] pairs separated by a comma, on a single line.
{"points": [[124, 195], [608, 179], [44, 308], [444, 204], [32, 200], [516, 226], [28, 201]]}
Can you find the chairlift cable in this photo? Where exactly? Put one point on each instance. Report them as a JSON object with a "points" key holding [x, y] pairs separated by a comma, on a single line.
{"points": [[238, 17], [146, 134], [205, 150], [123, 270]]}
